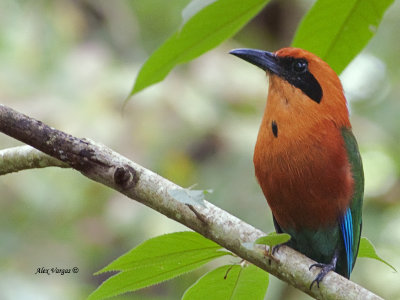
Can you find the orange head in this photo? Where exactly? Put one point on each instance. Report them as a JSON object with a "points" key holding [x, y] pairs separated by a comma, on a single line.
{"points": [[304, 81]]}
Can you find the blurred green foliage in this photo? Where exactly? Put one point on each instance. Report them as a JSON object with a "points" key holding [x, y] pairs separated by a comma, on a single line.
{"points": [[72, 63]]}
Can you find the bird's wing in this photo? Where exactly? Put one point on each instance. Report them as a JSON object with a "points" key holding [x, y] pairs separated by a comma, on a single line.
{"points": [[351, 223]]}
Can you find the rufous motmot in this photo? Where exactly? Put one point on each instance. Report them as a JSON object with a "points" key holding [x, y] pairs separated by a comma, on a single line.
{"points": [[307, 160]]}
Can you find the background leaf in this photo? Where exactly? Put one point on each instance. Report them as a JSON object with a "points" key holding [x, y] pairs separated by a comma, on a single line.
{"points": [[156, 260], [367, 249], [273, 239], [204, 31], [337, 31], [232, 282]]}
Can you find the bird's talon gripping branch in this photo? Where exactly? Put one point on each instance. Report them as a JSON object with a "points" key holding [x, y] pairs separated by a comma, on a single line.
{"points": [[276, 248], [269, 253], [318, 265], [325, 269]]}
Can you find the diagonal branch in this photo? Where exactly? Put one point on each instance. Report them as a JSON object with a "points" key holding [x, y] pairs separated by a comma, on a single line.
{"points": [[103, 165]]}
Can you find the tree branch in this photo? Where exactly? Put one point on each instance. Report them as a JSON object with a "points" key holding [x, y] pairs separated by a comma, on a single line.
{"points": [[103, 165], [25, 157]]}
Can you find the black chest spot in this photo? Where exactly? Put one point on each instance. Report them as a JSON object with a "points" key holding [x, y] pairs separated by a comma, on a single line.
{"points": [[274, 127]]}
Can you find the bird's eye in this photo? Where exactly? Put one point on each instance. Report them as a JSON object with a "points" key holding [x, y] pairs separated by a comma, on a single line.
{"points": [[300, 66]]}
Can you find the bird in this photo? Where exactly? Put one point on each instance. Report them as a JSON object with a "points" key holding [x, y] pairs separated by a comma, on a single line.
{"points": [[306, 158]]}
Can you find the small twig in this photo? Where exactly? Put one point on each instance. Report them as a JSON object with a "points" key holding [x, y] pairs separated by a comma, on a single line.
{"points": [[25, 157], [198, 215]]}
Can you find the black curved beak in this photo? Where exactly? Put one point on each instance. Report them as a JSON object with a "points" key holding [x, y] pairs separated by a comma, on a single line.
{"points": [[262, 59]]}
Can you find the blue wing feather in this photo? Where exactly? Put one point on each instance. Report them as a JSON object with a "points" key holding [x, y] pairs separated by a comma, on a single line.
{"points": [[346, 226]]}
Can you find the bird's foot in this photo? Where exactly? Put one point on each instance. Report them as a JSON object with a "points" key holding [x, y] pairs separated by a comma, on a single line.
{"points": [[271, 251], [325, 269], [276, 248]]}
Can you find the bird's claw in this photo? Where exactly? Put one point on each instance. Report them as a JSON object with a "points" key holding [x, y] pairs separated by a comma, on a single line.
{"points": [[325, 269], [276, 248], [273, 250]]}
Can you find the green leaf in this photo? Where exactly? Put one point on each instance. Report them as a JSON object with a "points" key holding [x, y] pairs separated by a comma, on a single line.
{"points": [[209, 27], [367, 249], [156, 260], [231, 282], [273, 239], [193, 8], [337, 31]]}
